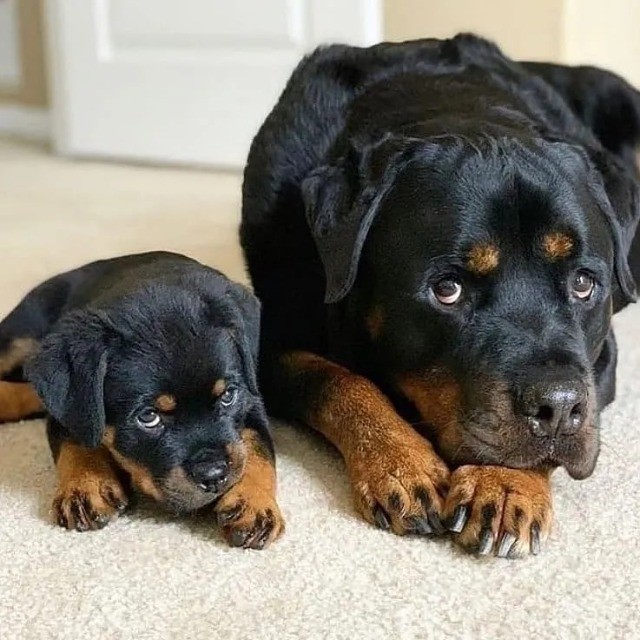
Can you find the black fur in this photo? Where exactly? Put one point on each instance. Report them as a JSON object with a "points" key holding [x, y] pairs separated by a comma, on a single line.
{"points": [[116, 334], [376, 172]]}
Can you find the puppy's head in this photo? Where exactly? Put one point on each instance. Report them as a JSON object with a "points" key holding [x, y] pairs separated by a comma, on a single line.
{"points": [[165, 378], [491, 268]]}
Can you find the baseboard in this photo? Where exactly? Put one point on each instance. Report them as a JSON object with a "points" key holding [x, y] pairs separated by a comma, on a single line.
{"points": [[27, 123]]}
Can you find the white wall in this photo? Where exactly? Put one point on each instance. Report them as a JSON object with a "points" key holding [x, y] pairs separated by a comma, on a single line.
{"points": [[9, 55], [606, 34]]}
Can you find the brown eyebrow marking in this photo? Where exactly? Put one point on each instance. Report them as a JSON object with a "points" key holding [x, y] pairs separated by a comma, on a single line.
{"points": [[219, 387], [165, 403], [375, 321], [557, 245], [483, 258]]}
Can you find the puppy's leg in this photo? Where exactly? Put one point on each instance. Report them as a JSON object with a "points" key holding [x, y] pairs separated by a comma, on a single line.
{"points": [[398, 480], [89, 492], [14, 352], [248, 513], [18, 400], [501, 511]]}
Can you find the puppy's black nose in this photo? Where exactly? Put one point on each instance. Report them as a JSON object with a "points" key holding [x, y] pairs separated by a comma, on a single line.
{"points": [[555, 407], [210, 476]]}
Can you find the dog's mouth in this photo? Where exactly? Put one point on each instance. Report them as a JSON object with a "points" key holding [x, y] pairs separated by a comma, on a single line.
{"points": [[489, 432], [180, 494], [512, 447]]}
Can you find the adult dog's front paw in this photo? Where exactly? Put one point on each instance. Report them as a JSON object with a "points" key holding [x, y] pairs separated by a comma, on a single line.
{"points": [[501, 511], [249, 517], [400, 485], [89, 503]]}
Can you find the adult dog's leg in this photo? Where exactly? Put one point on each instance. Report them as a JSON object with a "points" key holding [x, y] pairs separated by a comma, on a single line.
{"points": [[398, 480]]}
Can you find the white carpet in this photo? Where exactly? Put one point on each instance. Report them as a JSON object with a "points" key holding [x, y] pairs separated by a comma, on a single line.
{"points": [[331, 575]]}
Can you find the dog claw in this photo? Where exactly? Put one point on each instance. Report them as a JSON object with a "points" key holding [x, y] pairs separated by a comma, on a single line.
{"points": [[535, 539], [459, 519], [486, 543], [506, 544], [381, 518], [435, 523], [421, 526]]}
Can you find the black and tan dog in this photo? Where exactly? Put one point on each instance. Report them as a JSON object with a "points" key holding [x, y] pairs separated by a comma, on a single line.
{"points": [[439, 236], [146, 366]]}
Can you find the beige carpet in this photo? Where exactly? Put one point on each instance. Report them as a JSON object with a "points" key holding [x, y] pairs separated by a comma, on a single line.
{"points": [[331, 576]]}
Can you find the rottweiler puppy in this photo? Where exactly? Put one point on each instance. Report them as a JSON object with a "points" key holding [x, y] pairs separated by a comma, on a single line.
{"points": [[439, 236], [146, 366]]}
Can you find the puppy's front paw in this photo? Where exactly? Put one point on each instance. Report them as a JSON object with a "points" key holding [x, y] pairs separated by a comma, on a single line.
{"points": [[89, 503], [495, 510], [401, 486], [249, 517]]}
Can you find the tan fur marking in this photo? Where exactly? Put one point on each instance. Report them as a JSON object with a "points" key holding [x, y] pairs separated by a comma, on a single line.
{"points": [[141, 478], [557, 245], [437, 397], [17, 401], [19, 350], [219, 387], [516, 500], [386, 458], [252, 498], [375, 321], [483, 259], [165, 403], [88, 486]]}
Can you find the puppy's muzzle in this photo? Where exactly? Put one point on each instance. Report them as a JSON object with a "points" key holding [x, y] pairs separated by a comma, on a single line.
{"points": [[210, 476]]}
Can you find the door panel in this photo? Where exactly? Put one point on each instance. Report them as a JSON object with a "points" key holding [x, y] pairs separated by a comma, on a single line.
{"points": [[183, 82]]}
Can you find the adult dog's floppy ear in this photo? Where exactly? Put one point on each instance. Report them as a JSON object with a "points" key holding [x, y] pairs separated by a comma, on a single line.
{"points": [[342, 201], [621, 208], [68, 374], [246, 330]]}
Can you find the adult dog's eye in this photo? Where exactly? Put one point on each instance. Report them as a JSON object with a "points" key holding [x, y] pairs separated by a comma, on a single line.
{"points": [[447, 291], [582, 285], [229, 396], [149, 419]]}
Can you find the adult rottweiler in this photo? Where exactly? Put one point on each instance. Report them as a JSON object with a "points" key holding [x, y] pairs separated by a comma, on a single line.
{"points": [[439, 237], [146, 365]]}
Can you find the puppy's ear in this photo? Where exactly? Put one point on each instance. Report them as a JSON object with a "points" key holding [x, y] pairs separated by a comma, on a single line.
{"points": [[622, 215], [68, 374], [246, 331], [342, 201]]}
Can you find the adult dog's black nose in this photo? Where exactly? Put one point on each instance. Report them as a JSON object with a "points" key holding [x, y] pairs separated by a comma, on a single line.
{"points": [[210, 476], [555, 407]]}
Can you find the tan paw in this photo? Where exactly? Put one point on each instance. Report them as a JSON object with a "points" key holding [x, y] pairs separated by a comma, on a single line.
{"points": [[89, 504], [401, 486], [499, 511], [249, 517]]}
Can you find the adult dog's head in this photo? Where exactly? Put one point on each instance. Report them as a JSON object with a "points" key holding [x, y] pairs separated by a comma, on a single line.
{"points": [[484, 250], [164, 376]]}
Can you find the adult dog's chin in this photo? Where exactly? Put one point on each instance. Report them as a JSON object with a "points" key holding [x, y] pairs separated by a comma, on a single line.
{"points": [[577, 454]]}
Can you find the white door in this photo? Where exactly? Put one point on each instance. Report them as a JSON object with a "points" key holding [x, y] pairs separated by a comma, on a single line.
{"points": [[183, 81]]}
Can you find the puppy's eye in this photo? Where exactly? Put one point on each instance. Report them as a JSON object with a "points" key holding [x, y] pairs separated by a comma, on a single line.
{"points": [[149, 419], [582, 285], [447, 291], [229, 396]]}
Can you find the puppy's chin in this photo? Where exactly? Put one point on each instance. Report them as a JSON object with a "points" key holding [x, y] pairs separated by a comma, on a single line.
{"points": [[181, 495]]}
